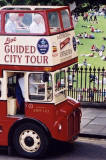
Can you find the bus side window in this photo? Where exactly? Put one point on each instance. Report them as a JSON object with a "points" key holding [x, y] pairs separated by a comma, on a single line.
{"points": [[66, 19], [54, 22], [60, 80]]}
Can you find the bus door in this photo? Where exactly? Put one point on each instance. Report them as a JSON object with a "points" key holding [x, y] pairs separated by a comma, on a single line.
{"points": [[15, 92]]}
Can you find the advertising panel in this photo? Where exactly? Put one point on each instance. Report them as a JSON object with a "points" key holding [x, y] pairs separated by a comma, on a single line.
{"points": [[36, 50]]}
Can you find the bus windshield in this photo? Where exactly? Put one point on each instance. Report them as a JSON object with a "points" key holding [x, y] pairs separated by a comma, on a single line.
{"points": [[24, 23], [38, 89]]}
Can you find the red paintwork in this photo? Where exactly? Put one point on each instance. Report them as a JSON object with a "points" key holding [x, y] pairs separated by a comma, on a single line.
{"points": [[51, 115], [66, 113], [5, 123]]}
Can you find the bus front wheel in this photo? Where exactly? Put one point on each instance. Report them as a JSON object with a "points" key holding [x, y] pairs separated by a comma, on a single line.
{"points": [[30, 140]]}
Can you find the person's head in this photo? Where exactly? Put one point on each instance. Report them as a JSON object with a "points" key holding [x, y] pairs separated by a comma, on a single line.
{"points": [[38, 18], [13, 16]]}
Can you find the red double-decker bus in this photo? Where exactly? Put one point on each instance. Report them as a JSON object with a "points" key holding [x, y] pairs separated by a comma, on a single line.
{"points": [[37, 46]]}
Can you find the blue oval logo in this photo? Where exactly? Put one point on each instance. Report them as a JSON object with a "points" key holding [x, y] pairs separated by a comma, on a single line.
{"points": [[43, 46]]}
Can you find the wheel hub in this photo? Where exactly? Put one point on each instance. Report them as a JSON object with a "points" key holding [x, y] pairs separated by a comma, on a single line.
{"points": [[29, 141]]}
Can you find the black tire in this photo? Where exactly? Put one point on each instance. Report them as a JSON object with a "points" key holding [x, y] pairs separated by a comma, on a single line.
{"points": [[29, 136]]}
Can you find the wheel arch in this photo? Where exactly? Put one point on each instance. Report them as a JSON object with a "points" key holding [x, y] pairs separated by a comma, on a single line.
{"points": [[25, 120]]}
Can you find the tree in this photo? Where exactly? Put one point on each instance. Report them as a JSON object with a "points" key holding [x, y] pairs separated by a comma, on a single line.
{"points": [[3, 2], [81, 4]]}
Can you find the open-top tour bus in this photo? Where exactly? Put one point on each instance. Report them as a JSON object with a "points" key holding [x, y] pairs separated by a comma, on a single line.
{"points": [[37, 43]]}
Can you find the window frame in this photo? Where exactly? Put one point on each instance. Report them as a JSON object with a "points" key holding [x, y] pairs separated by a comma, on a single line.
{"points": [[46, 100], [58, 95], [60, 18], [42, 13], [65, 29]]}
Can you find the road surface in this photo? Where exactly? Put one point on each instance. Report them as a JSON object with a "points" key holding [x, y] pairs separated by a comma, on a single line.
{"points": [[82, 149]]}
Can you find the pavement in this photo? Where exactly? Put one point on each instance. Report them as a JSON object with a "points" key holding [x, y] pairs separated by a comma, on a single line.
{"points": [[93, 123]]}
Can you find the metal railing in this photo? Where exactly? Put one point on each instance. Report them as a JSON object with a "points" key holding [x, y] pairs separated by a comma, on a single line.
{"points": [[87, 84]]}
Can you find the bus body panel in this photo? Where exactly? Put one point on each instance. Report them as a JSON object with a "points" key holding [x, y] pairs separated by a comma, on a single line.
{"points": [[23, 51], [6, 123], [54, 115], [50, 115]]}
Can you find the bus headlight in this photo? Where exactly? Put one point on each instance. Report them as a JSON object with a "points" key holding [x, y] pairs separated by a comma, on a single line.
{"points": [[60, 127]]}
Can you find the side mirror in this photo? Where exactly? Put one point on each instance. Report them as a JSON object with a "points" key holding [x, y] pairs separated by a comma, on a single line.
{"points": [[45, 77]]}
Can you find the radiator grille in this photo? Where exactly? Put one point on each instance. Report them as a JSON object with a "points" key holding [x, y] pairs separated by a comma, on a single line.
{"points": [[74, 123]]}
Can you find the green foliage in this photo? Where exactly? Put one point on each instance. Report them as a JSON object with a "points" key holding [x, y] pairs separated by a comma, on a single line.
{"points": [[85, 5], [56, 2], [80, 3], [3, 2], [19, 2]]}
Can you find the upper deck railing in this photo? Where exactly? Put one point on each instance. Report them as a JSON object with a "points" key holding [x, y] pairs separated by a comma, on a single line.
{"points": [[29, 7]]}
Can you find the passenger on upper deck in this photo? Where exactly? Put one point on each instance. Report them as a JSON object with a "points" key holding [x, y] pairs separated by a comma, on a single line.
{"points": [[10, 26], [38, 25]]}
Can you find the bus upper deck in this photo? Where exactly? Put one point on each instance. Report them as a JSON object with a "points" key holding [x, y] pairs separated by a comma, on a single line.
{"points": [[36, 36]]}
